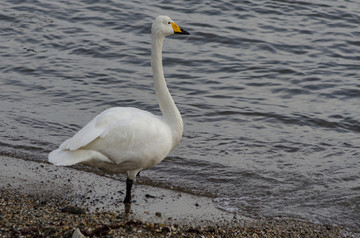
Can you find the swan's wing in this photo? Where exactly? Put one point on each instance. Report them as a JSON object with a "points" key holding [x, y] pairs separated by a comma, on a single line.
{"points": [[98, 127], [83, 137]]}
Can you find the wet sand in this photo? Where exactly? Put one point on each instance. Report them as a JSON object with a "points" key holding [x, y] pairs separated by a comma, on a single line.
{"points": [[99, 193], [43, 200]]}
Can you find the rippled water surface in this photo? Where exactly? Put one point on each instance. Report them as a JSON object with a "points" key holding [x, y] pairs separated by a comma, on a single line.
{"points": [[269, 92]]}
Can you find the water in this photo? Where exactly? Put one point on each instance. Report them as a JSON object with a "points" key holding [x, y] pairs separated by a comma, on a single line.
{"points": [[269, 92]]}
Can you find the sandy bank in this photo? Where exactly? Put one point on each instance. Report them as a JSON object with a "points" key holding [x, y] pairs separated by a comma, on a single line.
{"points": [[40, 200], [98, 193]]}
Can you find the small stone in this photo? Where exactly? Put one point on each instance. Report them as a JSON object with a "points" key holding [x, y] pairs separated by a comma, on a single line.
{"points": [[77, 234], [149, 196], [73, 210]]}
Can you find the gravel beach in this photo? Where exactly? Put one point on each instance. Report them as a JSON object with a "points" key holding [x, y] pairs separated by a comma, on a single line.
{"points": [[41, 200]]}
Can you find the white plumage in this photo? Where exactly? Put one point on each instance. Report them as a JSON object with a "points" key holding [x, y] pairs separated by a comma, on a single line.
{"points": [[126, 139]]}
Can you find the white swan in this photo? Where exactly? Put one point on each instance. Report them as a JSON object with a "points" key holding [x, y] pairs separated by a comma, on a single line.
{"points": [[126, 139]]}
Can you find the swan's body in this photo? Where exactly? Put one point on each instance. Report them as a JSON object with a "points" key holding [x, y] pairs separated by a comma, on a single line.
{"points": [[123, 139]]}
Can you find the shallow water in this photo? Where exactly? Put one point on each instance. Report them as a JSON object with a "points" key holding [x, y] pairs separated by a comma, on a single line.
{"points": [[269, 92]]}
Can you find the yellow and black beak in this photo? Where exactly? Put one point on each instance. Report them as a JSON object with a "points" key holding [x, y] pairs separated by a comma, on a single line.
{"points": [[178, 30]]}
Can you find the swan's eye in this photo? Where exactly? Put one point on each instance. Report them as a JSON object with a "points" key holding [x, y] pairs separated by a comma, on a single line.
{"points": [[169, 23]]}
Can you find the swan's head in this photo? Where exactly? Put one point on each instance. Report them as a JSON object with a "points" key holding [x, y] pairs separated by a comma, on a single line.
{"points": [[164, 26]]}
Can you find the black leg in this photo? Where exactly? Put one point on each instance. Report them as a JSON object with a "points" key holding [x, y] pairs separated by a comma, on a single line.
{"points": [[129, 183]]}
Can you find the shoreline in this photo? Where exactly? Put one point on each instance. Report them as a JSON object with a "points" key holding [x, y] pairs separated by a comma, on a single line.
{"points": [[101, 193], [39, 199]]}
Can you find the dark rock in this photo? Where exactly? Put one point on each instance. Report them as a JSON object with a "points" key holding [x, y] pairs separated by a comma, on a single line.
{"points": [[149, 196], [73, 210]]}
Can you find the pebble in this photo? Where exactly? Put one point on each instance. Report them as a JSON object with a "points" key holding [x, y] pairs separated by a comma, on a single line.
{"points": [[73, 210], [77, 234]]}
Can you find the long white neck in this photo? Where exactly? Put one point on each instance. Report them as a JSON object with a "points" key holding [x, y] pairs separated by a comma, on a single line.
{"points": [[167, 106]]}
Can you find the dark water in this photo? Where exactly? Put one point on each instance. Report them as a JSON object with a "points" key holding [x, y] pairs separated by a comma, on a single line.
{"points": [[269, 92]]}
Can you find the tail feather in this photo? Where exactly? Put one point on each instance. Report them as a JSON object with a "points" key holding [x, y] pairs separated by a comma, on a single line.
{"points": [[71, 157]]}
